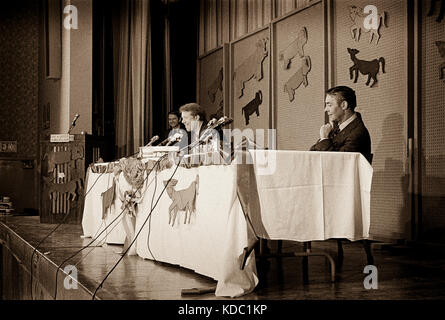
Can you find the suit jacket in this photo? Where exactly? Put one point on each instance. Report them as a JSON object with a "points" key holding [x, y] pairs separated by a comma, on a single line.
{"points": [[354, 138]]}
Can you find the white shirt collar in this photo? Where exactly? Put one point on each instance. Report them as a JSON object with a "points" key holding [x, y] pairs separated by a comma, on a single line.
{"points": [[345, 123]]}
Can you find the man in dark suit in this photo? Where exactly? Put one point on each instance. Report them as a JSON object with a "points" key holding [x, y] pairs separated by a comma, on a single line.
{"points": [[194, 119], [345, 131]]}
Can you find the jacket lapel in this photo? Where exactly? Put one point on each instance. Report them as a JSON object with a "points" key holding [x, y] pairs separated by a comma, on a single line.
{"points": [[340, 137]]}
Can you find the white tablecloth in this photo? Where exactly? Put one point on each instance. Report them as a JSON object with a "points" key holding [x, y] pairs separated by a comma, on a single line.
{"points": [[292, 195], [92, 222], [312, 195]]}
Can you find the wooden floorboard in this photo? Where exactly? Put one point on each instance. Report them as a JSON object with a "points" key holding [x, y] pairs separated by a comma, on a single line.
{"points": [[402, 274]]}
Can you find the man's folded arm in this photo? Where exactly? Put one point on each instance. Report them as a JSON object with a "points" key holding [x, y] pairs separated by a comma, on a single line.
{"points": [[323, 145]]}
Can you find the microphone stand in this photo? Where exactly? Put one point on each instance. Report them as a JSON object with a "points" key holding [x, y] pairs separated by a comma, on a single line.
{"points": [[73, 124], [206, 137]]}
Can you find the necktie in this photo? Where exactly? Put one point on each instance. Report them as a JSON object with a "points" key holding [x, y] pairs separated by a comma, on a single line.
{"points": [[335, 131]]}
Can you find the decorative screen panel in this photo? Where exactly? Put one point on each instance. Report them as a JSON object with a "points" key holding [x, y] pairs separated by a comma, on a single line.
{"points": [[299, 78], [210, 83], [433, 124], [250, 84], [383, 106]]}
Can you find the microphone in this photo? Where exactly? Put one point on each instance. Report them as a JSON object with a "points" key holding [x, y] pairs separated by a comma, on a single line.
{"points": [[73, 124], [211, 123], [223, 121], [153, 140], [175, 138], [206, 136]]}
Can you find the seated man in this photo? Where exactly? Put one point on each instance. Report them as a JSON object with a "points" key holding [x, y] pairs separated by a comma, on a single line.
{"points": [[175, 126], [176, 130], [345, 131], [194, 118]]}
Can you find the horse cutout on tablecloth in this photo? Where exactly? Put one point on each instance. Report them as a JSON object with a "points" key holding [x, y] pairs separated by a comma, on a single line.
{"points": [[370, 68], [182, 200]]}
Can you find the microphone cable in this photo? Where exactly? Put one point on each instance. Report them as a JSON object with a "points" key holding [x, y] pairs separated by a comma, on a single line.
{"points": [[105, 229], [51, 232], [96, 235], [149, 221], [99, 241], [136, 236], [57, 227]]}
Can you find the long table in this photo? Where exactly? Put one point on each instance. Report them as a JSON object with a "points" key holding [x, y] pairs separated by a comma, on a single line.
{"points": [[280, 195]]}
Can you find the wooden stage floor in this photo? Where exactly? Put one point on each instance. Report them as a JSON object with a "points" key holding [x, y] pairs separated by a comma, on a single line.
{"points": [[403, 272]]}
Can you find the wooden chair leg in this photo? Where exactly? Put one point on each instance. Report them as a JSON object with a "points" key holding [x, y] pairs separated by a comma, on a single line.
{"points": [[339, 254], [305, 267], [367, 247], [279, 246]]}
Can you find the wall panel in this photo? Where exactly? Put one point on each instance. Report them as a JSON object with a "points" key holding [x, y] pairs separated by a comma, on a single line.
{"points": [[383, 108], [299, 116], [432, 126], [211, 82], [256, 91]]}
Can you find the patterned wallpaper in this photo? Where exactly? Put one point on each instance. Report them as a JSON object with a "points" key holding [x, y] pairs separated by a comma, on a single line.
{"points": [[19, 53]]}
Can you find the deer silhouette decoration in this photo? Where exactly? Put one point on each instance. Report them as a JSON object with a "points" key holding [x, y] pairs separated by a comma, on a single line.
{"points": [[370, 68], [433, 7], [358, 17], [441, 47]]}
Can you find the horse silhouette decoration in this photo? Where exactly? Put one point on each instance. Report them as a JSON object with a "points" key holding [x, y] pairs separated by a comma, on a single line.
{"points": [[441, 47], [182, 200], [358, 17], [370, 68], [253, 106], [216, 85], [433, 8], [251, 67], [296, 47], [299, 77]]}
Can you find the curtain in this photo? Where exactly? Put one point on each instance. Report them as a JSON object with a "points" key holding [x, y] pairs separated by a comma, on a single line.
{"points": [[222, 21], [133, 76]]}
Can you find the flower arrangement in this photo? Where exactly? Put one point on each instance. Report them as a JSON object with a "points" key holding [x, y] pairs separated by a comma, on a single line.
{"points": [[133, 171]]}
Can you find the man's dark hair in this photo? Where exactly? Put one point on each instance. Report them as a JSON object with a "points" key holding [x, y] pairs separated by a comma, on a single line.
{"points": [[176, 113], [343, 93], [195, 109]]}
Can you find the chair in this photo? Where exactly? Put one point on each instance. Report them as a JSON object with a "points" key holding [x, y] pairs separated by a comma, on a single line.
{"points": [[307, 251]]}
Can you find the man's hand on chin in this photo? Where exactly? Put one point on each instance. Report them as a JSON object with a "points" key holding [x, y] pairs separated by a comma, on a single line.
{"points": [[325, 130]]}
